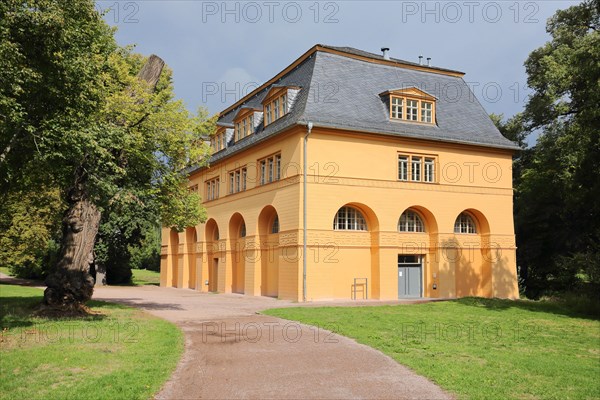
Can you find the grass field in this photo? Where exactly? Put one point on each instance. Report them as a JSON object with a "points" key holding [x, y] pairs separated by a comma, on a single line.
{"points": [[478, 348], [145, 277], [121, 353]]}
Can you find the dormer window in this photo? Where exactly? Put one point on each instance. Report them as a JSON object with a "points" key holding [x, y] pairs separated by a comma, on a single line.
{"points": [[278, 102], [245, 122], [218, 140], [412, 105]]}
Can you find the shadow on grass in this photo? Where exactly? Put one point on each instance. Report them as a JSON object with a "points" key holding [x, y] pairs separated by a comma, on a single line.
{"points": [[526, 305], [17, 311], [20, 312]]}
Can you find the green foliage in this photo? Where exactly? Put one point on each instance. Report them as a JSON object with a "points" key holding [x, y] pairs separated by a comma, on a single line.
{"points": [[147, 254], [125, 225], [557, 211], [71, 101], [29, 228], [512, 128], [477, 348]]}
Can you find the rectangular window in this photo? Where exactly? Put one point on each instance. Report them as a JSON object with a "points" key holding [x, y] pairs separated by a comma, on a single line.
{"points": [[397, 105], [270, 169], [213, 143], [238, 133], [268, 114], [276, 109], [244, 128], [284, 105], [416, 169], [403, 168], [250, 124], [429, 170], [212, 189], [426, 111], [278, 167], [263, 172], [237, 180], [411, 110]]}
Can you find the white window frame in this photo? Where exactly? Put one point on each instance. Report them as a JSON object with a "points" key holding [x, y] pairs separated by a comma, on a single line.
{"points": [[397, 107], [410, 221], [429, 170], [426, 112], [403, 161], [349, 219], [412, 112], [465, 224], [415, 168]]}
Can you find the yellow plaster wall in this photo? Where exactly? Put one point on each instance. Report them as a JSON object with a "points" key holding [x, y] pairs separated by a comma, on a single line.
{"points": [[361, 170]]}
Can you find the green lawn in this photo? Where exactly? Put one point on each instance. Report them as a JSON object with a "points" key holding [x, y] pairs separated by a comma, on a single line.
{"points": [[5, 270], [478, 348], [121, 354], [145, 277]]}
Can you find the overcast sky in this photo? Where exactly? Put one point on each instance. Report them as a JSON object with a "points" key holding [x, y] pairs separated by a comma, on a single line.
{"points": [[221, 50]]}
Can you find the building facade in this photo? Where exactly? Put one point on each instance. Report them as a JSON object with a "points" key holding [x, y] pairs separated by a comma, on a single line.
{"points": [[401, 179]]}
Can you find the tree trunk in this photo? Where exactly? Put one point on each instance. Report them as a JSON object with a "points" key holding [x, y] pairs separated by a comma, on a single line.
{"points": [[72, 285]]}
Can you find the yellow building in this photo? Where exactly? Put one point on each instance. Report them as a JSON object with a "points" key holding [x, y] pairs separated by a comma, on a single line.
{"points": [[352, 174]]}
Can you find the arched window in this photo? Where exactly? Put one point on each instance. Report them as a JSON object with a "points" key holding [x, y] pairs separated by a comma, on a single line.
{"points": [[349, 219], [275, 226], [465, 224], [410, 221], [243, 229]]}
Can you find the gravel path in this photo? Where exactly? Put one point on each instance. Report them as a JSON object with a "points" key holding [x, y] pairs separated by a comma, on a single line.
{"points": [[231, 352]]}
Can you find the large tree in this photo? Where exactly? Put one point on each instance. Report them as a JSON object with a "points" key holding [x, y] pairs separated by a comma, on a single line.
{"points": [[557, 195], [97, 122]]}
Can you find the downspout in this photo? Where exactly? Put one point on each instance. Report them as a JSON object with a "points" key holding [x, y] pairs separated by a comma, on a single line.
{"points": [[309, 127]]}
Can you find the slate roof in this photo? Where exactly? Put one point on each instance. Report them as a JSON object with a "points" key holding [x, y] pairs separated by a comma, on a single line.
{"points": [[341, 92]]}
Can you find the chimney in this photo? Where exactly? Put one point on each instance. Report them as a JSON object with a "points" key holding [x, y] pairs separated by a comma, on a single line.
{"points": [[385, 50], [420, 60], [428, 61]]}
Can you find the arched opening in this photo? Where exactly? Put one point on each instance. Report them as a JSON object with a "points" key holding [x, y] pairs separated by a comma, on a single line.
{"points": [[174, 262], [473, 268], [411, 221], [465, 223], [212, 244], [418, 270], [237, 233], [268, 229], [349, 218], [191, 239], [356, 238]]}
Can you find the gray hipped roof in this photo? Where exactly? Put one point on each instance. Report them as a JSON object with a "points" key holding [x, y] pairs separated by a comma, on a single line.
{"points": [[342, 92]]}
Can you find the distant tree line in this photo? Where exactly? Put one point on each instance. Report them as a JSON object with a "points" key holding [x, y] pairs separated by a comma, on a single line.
{"points": [[557, 180]]}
